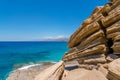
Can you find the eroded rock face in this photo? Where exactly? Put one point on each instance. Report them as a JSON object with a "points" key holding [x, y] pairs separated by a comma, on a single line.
{"points": [[98, 35]]}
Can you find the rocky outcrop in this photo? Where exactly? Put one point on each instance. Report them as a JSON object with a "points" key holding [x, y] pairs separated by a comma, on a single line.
{"points": [[97, 37], [95, 45]]}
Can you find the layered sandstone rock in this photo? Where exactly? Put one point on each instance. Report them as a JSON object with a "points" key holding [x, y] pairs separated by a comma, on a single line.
{"points": [[95, 45], [97, 37]]}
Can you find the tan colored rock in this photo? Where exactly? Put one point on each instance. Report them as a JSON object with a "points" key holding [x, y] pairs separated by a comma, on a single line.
{"points": [[82, 74], [94, 40], [52, 73], [88, 66], [92, 59], [98, 14], [112, 17], [116, 47], [93, 16], [72, 52], [114, 0], [111, 57], [117, 38], [114, 70], [103, 70], [97, 10], [113, 35], [116, 9], [115, 4], [95, 60], [106, 9], [113, 28], [100, 49], [85, 32]]}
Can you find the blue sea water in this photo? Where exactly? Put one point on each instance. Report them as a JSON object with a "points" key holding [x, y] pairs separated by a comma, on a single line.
{"points": [[15, 53]]}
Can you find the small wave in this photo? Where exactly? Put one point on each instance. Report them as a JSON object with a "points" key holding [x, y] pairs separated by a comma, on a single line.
{"points": [[25, 67], [29, 66]]}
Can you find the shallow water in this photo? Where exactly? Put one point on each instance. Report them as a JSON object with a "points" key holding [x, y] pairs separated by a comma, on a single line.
{"points": [[16, 54]]}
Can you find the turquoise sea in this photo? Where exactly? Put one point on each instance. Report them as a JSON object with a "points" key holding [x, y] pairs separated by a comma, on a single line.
{"points": [[13, 54]]}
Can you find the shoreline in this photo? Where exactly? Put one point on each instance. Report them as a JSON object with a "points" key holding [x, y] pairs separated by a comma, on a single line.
{"points": [[28, 72], [33, 69]]}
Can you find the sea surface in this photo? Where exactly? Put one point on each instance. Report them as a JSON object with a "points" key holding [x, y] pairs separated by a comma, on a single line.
{"points": [[16, 54]]}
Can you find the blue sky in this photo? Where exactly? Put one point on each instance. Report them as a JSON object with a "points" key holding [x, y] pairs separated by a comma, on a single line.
{"points": [[26, 20]]}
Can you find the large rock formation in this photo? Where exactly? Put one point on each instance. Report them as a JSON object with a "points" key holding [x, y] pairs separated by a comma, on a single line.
{"points": [[97, 37], [96, 43]]}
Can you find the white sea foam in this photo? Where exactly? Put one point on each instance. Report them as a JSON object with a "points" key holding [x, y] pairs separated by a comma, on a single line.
{"points": [[28, 66], [33, 65]]}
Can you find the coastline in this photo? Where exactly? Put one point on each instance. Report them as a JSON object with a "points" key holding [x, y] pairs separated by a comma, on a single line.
{"points": [[27, 72], [30, 71]]}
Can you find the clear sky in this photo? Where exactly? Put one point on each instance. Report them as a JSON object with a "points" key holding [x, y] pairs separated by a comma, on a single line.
{"points": [[38, 19]]}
